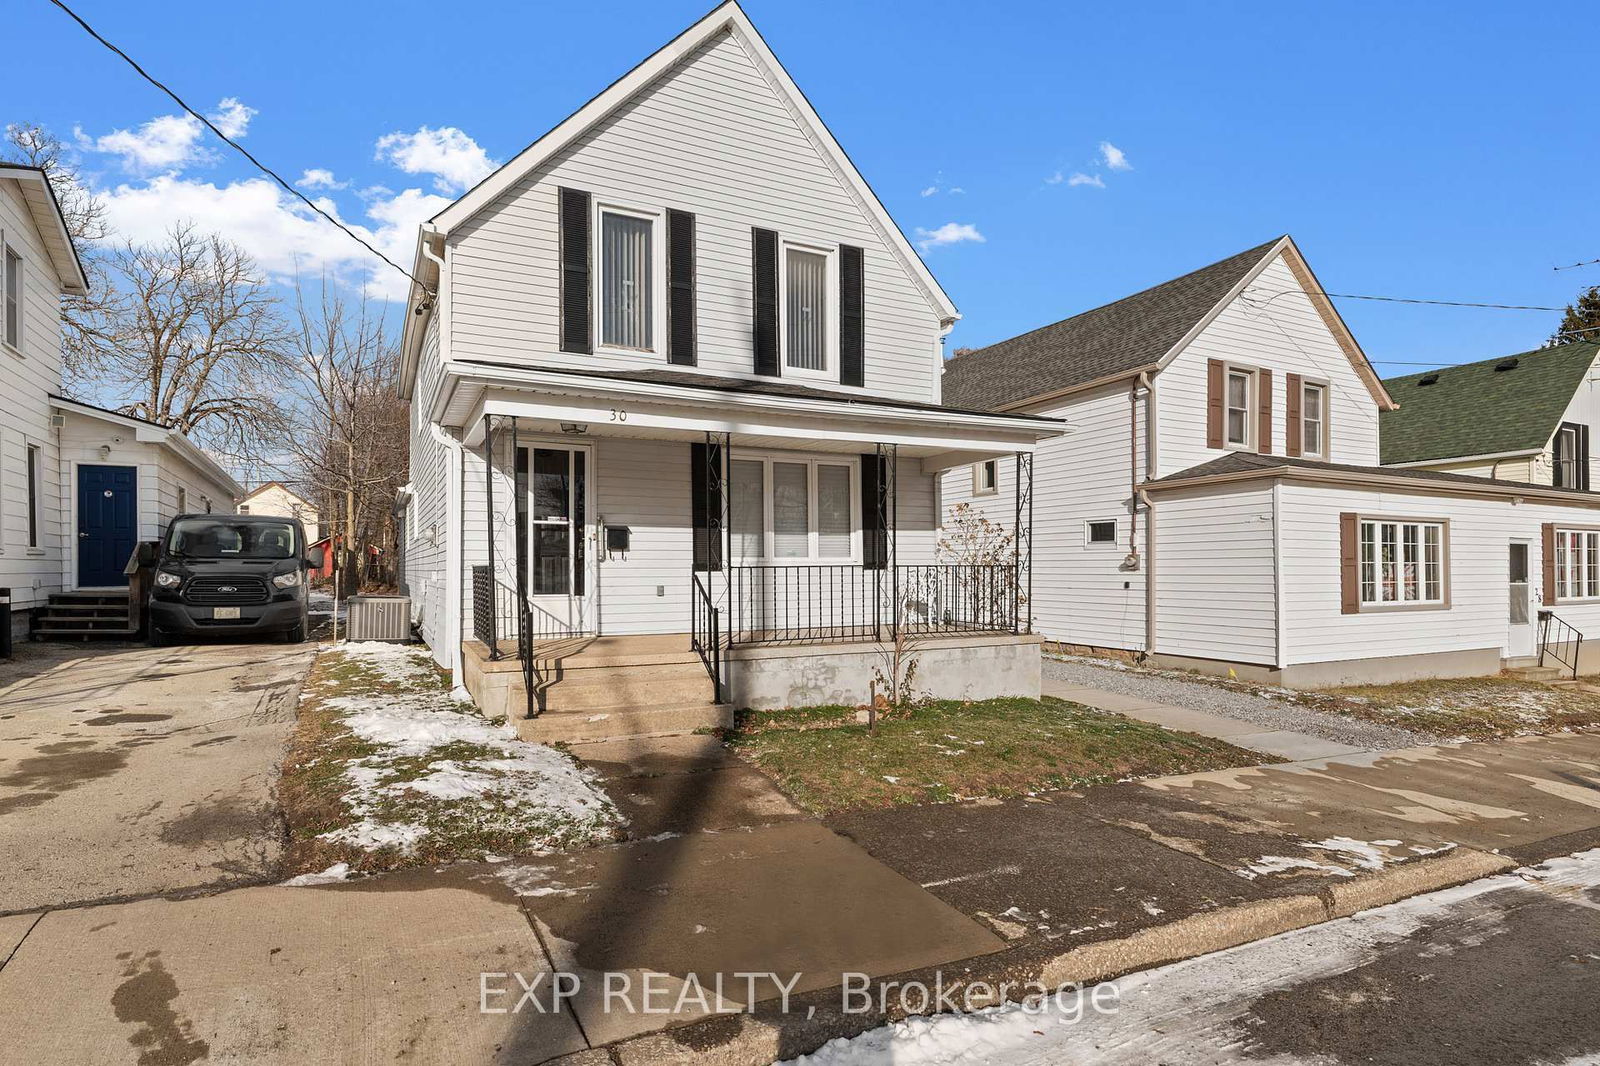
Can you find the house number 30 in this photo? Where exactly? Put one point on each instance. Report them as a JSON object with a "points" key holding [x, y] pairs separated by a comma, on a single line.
{"points": [[618, 415]]}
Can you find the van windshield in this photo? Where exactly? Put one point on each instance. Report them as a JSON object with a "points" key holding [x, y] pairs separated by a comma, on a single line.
{"points": [[219, 538]]}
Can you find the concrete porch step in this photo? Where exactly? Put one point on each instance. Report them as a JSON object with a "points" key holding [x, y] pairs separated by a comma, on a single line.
{"points": [[607, 723], [1537, 673], [640, 686]]}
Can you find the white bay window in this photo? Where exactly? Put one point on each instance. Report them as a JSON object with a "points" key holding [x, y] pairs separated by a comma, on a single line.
{"points": [[785, 509]]}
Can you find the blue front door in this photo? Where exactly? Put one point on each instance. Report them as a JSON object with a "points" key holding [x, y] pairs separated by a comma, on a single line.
{"points": [[108, 523]]}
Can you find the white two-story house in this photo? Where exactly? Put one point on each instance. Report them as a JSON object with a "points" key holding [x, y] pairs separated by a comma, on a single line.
{"points": [[674, 377], [1220, 504]]}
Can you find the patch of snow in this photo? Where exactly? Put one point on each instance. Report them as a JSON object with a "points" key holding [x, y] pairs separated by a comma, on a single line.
{"points": [[1277, 864], [339, 871], [370, 835], [1151, 909], [1363, 854]]}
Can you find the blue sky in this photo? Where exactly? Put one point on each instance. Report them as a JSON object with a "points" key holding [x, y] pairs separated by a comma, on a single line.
{"points": [[1412, 150]]}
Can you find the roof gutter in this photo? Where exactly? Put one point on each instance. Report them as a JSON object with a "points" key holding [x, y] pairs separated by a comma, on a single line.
{"points": [[1073, 390], [1489, 489]]}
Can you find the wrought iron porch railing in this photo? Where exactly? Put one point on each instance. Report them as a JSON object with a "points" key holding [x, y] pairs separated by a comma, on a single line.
{"points": [[705, 633], [1560, 641], [769, 604]]}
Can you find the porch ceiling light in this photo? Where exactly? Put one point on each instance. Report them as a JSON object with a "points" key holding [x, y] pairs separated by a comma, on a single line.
{"points": [[574, 427]]}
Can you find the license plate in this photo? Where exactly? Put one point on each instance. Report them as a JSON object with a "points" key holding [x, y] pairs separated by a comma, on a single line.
{"points": [[224, 612]]}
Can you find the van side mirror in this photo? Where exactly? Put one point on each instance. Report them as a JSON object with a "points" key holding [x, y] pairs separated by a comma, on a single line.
{"points": [[148, 552], [316, 558]]}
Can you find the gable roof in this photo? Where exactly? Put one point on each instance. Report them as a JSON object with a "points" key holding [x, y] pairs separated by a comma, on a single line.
{"points": [[729, 18], [1475, 409], [1141, 332], [155, 433], [264, 486], [51, 223]]}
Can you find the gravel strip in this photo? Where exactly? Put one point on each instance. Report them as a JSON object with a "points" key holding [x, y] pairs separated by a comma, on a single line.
{"points": [[1163, 687]]}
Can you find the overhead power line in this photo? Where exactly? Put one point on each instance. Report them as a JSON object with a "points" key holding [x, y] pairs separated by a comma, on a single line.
{"points": [[230, 142], [1440, 303], [1574, 266]]}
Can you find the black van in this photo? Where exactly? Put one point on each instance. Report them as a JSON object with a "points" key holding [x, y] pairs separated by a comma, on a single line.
{"points": [[231, 576]]}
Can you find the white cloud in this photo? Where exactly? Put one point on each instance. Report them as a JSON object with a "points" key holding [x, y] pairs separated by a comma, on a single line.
{"points": [[1114, 157], [232, 117], [170, 142], [930, 190], [320, 178], [1081, 178], [956, 190], [949, 233], [1055, 179], [455, 160], [278, 231]]}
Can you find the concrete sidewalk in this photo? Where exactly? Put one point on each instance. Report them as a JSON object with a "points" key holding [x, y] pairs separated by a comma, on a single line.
{"points": [[1283, 743]]}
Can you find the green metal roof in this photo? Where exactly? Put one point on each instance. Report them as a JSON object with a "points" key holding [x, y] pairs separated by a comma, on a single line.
{"points": [[1483, 408]]}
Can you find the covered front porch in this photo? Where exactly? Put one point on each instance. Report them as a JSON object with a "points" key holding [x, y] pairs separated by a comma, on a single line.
{"points": [[780, 540]]}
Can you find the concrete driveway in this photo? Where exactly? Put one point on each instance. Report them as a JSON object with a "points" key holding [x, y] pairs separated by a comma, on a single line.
{"points": [[127, 771]]}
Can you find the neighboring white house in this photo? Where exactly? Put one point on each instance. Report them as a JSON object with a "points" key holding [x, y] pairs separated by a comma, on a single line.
{"points": [[79, 485], [675, 393], [1522, 417], [1219, 502], [276, 498], [37, 266]]}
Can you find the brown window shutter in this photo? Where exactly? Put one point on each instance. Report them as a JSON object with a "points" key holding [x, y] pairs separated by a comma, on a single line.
{"points": [[1264, 400], [1349, 563], [1547, 552], [1293, 432], [1214, 415]]}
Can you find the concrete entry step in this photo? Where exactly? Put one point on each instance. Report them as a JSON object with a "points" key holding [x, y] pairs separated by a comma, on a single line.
{"points": [[616, 722]]}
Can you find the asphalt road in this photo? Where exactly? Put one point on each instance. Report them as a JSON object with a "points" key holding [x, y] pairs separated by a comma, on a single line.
{"points": [[127, 771], [1501, 972]]}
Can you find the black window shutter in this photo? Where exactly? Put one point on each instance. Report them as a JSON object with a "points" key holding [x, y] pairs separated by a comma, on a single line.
{"points": [[764, 278], [680, 288], [874, 536], [1583, 457], [573, 208], [705, 504], [852, 320]]}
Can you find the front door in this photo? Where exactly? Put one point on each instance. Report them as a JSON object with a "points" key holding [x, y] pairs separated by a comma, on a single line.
{"points": [[108, 523], [555, 561], [1519, 635]]}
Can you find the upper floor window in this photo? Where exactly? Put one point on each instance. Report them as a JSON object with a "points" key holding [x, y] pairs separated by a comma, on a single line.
{"points": [[1569, 457], [806, 336], [12, 310], [1313, 420], [1239, 399], [629, 274]]}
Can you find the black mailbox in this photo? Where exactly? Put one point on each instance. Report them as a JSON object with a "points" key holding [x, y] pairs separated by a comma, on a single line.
{"points": [[617, 538]]}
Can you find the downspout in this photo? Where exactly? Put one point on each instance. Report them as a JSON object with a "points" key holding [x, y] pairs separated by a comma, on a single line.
{"points": [[1143, 496], [452, 558]]}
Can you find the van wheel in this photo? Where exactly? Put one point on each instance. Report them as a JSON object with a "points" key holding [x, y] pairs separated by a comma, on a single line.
{"points": [[297, 635]]}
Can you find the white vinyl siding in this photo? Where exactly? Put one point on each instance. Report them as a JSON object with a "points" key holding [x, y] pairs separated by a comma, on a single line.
{"points": [[424, 573], [1215, 575], [1080, 596], [1270, 326], [710, 137]]}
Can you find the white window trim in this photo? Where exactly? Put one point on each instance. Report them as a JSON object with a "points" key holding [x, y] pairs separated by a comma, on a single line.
{"points": [[1252, 406], [658, 277], [1103, 545], [768, 535], [1563, 590], [830, 325], [977, 478], [1306, 386], [1442, 601], [22, 296]]}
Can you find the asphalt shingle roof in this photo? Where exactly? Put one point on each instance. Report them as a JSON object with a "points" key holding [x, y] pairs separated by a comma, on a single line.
{"points": [[1134, 332], [1244, 462], [1475, 409]]}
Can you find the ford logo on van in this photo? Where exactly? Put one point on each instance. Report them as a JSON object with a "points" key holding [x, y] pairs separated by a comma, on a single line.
{"points": [[226, 588]]}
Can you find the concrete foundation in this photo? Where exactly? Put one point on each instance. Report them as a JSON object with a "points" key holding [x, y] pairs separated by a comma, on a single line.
{"points": [[1379, 670], [954, 668]]}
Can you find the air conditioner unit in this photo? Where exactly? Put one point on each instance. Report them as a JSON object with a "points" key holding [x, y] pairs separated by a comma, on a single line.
{"points": [[386, 618]]}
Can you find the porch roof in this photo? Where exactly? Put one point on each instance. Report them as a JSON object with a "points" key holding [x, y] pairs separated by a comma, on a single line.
{"points": [[661, 404]]}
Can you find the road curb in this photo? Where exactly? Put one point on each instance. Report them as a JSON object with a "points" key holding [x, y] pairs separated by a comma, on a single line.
{"points": [[767, 1033]]}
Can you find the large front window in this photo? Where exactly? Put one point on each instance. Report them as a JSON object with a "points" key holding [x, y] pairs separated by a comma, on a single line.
{"points": [[1402, 563], [627, 280], [788, 510], [1577, 564], [805, 309]]}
